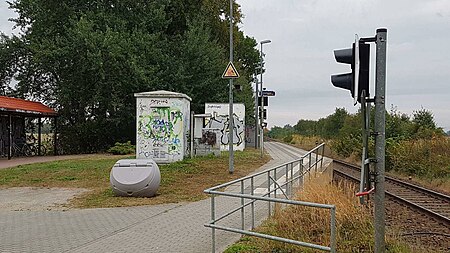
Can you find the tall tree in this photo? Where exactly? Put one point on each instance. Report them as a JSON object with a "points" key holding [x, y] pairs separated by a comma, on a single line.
{"points": [[86, 58]]}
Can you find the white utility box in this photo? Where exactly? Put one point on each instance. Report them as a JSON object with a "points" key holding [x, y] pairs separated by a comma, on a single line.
{"points": [[162, 126]]}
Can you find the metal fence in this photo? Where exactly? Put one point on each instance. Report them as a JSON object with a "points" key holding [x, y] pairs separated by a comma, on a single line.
{"points": [[277, 185]]}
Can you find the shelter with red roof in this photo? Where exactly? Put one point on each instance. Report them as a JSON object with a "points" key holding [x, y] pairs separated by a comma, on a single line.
{"points": [[13, 112]]}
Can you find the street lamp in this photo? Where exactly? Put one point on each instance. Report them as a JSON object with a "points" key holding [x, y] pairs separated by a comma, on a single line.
{"points": [[261, 90]]}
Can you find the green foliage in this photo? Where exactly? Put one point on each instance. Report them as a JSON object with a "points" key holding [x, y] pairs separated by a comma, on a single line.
{"points": [[288, 138], [414, 146], [87, 58], [125, 148], [429, 158]]}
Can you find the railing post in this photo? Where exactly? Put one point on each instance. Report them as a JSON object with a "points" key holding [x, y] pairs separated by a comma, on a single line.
{"points": [[316, 152], [268, 191], [252, 203], [287, 179], [213, 217], [292, 178], [242, 208], [275, 178], [321, 159], [309, 165], [333, 230]]}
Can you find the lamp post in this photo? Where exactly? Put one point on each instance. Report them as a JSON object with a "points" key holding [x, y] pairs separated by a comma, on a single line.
{"points": [[256, 110], [262, 98]]}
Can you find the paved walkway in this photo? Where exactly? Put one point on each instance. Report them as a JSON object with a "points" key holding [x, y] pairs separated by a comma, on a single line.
{"points": [[169, 228]]}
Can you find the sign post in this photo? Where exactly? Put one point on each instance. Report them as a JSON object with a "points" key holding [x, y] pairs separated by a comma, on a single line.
{"points": [[231, 73], [380, 139]]}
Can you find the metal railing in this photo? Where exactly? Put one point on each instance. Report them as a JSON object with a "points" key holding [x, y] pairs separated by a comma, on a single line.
{"points": [[272, 183]]}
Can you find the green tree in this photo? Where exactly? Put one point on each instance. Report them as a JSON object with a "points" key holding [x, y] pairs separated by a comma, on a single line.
{"points": [[86, 59]]}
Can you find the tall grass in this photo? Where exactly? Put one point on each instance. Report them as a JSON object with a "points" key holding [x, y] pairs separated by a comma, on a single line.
{"points": [[355, 231]]}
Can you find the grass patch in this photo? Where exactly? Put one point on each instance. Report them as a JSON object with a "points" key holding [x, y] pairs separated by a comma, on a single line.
{"points": [[355, 231], [180, 181]]}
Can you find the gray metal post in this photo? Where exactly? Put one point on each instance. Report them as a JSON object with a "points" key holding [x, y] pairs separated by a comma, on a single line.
{"points": [[321, 159], [292, 177], [261, 142], [231, 117], [365, 139], [252, 203], [242, 208], [262, 97], [286, 175], [192, 134], [10, 140], [275, 178], [256, 112], [39, 136], [268, 190], [55, 137], [213, 217], [333, 230], [380, 118]]}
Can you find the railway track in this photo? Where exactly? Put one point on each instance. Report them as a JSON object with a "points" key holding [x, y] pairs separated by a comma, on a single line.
{"points": [[434, 204]]}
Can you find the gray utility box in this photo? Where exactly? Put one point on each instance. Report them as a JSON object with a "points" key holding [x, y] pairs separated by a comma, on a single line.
{"points": [[135, 178]]}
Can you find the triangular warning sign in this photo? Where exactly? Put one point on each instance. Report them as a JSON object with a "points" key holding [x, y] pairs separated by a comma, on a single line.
{"points": [[230, 71]]}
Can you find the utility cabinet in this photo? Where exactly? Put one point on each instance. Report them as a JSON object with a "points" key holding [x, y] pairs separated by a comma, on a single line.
{"points": [[162, 125]]}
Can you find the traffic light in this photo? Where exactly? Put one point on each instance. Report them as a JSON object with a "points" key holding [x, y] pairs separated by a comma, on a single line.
{"points": [[359, 58], [262, 113], [265, 101]]}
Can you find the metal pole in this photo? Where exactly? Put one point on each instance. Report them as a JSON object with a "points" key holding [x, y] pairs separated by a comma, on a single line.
{"points": [[192, 134], [365, 135], [242, 208], [380, 120], [286, 175], [292, 177], [268, 190], [213, 217], [39, 136], [252, 205], [261, 143], [321, 159], [333, 230], [55, 137], [9, 136], [231, 117], [256, 112]]}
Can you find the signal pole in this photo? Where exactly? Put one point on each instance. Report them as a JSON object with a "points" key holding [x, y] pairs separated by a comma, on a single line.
{"points": [[231, 117], [380, 139]]}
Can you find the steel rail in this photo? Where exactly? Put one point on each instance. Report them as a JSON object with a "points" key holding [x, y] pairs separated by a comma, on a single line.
{"points": [[395, 196]]}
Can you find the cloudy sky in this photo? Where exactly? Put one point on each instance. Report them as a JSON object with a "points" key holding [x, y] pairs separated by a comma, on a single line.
{"points": [[304, 33], [300, 59]]}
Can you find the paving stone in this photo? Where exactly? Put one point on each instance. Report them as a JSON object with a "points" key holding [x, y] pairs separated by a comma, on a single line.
{"points": [[161, 228]]}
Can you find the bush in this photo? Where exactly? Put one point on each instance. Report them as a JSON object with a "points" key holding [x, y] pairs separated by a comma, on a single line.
{"points": [[122, 148], [288, 138]]}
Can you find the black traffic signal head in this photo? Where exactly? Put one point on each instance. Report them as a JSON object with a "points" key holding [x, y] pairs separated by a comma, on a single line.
{"points": [[347, 81]]}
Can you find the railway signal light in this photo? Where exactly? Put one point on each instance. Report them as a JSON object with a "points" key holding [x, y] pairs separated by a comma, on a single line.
{"points": [[358, 80]]}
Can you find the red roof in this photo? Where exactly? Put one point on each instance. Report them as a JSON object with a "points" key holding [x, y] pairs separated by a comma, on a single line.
{"points": [[24, 106]]}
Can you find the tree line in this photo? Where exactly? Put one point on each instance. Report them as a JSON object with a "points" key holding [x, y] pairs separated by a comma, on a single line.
{"points": [[414, 144], [86, 59]]}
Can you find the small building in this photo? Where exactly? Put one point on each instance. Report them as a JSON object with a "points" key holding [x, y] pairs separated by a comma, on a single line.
{"points": [[219, 122], [13, 112], [162, 126]]}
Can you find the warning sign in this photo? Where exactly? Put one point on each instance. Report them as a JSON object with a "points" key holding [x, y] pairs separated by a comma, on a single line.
{"points": [[230, 71]]}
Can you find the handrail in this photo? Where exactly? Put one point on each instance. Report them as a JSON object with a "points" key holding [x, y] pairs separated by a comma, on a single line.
{"points": [[294, 171], [262, 172]]}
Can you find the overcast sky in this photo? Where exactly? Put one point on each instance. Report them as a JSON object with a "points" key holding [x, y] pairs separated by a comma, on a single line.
{"points": [[304, 33], [300, 59]]}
